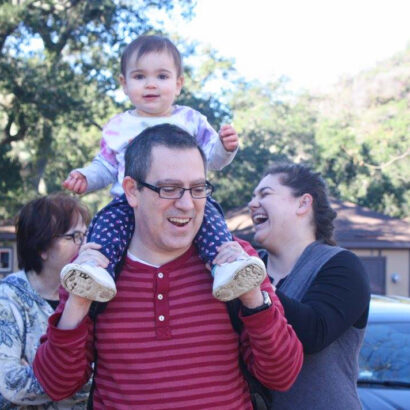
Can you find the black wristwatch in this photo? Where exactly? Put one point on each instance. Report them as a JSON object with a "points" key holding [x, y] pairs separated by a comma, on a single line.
{"points": [[266, 304]]}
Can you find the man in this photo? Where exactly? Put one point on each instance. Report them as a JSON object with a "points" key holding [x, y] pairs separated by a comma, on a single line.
{"points": [[164, 341]]}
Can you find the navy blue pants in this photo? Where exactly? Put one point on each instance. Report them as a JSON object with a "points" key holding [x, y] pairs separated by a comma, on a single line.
{"points": [[113, 226]]}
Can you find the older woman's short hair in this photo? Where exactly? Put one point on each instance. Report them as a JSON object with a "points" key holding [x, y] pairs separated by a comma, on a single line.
{"points": [[40, 221]]}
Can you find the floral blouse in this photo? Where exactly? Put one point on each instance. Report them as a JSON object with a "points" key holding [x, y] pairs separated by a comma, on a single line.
{"points": [[23, 320]]}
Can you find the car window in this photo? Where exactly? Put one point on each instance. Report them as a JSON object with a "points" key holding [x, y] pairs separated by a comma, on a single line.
{"points": [[385, 354]]}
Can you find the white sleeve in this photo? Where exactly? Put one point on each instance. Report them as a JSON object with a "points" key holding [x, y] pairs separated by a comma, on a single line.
{"points": [[99, 173], [211, 144], [219, 157]]}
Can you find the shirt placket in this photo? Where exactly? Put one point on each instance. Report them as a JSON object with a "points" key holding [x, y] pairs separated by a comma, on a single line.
{"points": [[161, 302]]}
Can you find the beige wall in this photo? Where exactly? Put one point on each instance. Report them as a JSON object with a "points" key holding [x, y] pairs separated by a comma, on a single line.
{"points": [[397, 262]]}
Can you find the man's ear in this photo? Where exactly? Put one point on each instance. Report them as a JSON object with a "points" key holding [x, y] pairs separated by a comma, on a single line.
{"points": [[305, 204], [131, 192], [44, 255]]}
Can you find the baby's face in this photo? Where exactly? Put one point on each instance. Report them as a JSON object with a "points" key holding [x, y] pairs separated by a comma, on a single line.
{"points": [[152, 83]]}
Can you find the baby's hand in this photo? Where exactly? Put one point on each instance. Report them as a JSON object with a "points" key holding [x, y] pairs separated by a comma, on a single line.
{"points": [[229, 137], [76, 182]]}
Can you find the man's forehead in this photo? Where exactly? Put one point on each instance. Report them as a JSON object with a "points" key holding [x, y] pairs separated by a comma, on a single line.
{"points": [[176, 164]]}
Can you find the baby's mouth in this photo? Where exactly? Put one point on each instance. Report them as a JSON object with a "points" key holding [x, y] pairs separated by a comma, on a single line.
{"points": [[179, 221]]}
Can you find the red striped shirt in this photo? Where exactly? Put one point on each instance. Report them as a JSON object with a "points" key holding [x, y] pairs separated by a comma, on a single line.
{"points": [[165, 342]]}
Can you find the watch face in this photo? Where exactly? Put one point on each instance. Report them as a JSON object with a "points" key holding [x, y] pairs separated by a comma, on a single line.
{"points": [[266, 298]]}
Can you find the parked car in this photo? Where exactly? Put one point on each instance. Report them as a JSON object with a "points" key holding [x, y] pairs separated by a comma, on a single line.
{"points": [[384, 361]]}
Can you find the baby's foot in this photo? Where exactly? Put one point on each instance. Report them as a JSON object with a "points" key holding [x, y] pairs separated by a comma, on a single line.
{"points": [[233, 279], [88, 281]]}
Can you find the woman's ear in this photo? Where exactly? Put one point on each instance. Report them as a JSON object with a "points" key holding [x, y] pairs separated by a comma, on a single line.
{"points": [[305, 204], [44, 255], [131, 191]]}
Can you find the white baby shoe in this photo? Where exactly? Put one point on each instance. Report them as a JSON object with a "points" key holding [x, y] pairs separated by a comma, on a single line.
{"points": [[88, 281], [236, 278]]}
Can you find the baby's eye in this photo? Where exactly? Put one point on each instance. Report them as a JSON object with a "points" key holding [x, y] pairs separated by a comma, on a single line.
{"points": [[163, 76], [139, 76]]}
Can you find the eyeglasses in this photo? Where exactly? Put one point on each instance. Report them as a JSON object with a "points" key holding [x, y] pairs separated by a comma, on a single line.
{"points": [[175, 192], [77, 237]]}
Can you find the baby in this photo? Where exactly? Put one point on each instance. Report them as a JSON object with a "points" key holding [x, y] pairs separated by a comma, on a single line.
{"points": [[152, 78]]}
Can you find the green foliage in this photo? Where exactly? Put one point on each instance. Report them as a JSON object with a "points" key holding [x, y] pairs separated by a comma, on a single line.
{"points": [[363, 137], [272, 125], [58, 69]]}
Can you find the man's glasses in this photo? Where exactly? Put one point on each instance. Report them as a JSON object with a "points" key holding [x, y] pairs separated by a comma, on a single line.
{"points": [[77, 237], [174, 192]]}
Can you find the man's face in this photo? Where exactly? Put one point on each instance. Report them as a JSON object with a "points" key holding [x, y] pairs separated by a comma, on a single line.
{"points": [[165, 228]]}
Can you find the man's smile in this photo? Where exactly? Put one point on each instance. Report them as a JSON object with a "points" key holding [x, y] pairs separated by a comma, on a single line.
{"points": [[179, 221]]}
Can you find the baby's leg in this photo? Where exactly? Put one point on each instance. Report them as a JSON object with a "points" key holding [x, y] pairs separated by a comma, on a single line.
{"points": [[112, 228], [230, 279]]}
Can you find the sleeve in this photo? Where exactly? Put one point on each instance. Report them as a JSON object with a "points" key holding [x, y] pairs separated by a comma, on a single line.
{"points": [[269, 345], [63, 360], [217, 157], [103, 170], [18, 384], [337, 299]]}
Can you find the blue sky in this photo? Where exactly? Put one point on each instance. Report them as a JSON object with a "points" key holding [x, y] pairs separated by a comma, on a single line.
{"points": [[313, 42]]}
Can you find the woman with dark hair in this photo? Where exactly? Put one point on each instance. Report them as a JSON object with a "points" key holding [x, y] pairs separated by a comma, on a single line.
{"points": [[49, 232], [323, 288]]}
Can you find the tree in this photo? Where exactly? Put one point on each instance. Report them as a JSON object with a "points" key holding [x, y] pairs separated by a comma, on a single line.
{"points": [[273, 124], [58, 66]]}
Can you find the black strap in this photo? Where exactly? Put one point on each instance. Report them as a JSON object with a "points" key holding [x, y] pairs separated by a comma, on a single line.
{"points": [[260, 395]]}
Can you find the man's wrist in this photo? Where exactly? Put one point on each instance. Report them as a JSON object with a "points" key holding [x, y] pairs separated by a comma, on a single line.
{"points": [[266, 303]]}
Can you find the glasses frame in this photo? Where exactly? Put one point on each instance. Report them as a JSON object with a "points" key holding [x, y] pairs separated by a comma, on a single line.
{"points": [[74, 235], [210, 189]]}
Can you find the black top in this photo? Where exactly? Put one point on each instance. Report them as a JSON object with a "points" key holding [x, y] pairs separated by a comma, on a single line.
{"points": [[337, 299], [52, 303]]}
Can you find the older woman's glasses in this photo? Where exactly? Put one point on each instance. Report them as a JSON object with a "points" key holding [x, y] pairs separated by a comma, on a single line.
{"points": [[77, 237]]}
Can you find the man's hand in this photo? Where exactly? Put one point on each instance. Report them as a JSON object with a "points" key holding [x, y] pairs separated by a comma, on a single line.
{"points": [[229, 137], [76, 182]]}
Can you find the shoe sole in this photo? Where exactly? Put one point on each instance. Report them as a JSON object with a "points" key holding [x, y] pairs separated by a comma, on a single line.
{"points": [[243, 281], [82, 284]]}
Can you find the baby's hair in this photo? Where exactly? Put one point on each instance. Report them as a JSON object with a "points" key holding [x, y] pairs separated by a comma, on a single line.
{"points": [[149, 44]]}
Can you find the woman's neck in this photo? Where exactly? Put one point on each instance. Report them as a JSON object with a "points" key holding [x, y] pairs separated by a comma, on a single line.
{"points": [[46, 283], [282, 260]]}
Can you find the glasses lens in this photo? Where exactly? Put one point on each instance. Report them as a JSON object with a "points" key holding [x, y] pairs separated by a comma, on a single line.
{"points": [[78, 237], [170, 192]]}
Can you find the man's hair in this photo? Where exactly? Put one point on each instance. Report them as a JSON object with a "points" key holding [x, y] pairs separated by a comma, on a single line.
{"points": [[149, 44], [301, 179], [40, 221], [138, 155]]}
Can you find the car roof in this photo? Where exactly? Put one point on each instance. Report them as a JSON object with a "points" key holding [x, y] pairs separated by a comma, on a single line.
{"points": [[389, 308]]}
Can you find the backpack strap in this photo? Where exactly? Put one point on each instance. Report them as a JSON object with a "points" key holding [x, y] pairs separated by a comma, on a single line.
{"points": [[260, 395]]}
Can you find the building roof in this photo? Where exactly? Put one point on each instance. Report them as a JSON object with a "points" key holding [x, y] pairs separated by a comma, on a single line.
{"points": [[355, 227], [7, 233]]}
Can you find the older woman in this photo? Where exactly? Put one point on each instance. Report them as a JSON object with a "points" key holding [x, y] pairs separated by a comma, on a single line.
{"points": [[50, 231], [323, 288]]}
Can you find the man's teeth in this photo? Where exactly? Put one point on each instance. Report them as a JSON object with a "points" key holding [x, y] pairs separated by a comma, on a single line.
{"points": [[180, 221]]}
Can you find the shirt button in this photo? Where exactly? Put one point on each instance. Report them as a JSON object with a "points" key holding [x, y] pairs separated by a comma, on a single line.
{"points": [[160, 275], [161, 318], [160, 296]]}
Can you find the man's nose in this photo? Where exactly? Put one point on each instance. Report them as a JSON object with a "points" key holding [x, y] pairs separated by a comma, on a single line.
{"points": [[186, 201]]}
